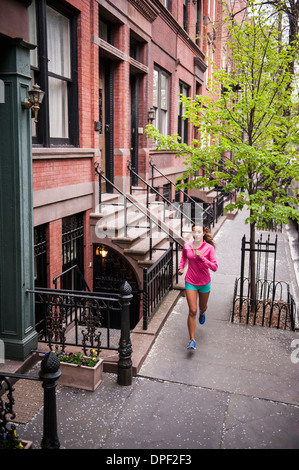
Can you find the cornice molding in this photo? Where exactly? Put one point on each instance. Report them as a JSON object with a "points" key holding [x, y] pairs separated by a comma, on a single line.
{"points": [[200, 63], [146, 8]]}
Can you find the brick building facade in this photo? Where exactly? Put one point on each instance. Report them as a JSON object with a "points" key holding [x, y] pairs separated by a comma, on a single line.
{"points": [[103, 65], [115, 51]]}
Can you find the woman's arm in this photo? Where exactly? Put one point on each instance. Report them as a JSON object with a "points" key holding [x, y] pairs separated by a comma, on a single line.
{"points": [[210, 260], [183, 259]]}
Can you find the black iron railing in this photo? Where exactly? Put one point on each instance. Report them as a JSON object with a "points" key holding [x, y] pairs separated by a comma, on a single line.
{"points": [[210, 212], [48, 375], [274, 305], [74, 269], [152, 223], [78, 316], [157, 281], [185, 221], [265, 252], [74, 318]]}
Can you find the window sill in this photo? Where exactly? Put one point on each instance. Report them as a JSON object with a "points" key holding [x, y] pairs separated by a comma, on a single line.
{"points": [[43, 153]]}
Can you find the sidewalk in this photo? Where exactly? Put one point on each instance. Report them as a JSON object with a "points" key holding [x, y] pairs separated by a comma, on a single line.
{"points": [[239, 389]]}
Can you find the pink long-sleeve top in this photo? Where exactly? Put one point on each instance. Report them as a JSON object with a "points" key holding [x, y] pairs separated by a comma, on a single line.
{"points": [[198, 268]]}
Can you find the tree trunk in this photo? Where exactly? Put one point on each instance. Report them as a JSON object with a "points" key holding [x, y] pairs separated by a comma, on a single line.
{"points": [[252, 268]]}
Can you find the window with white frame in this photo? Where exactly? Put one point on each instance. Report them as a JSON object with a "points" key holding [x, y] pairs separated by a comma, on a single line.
{"points": [[161, 99], [59, 72], [53, 67]]}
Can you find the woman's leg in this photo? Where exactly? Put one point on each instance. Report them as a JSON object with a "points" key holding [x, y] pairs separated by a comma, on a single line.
{"points": [[203, 302], [192, 304]]}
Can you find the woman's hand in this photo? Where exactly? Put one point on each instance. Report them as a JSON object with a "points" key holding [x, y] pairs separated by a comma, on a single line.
{"points": [[180, 271]]}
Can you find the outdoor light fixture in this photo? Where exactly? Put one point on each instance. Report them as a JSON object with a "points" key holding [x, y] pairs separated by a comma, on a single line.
{"points": [[36, 96], [100, 251], [151, 115]]}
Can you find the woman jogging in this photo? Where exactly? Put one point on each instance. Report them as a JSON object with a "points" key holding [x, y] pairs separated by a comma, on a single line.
{"points": [[200, 254]]}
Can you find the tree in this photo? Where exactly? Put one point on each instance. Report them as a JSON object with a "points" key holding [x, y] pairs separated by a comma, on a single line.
{"points": [[248, 126]]}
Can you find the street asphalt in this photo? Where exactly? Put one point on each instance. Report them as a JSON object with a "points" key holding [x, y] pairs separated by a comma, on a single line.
{"points": [[238, 390]]}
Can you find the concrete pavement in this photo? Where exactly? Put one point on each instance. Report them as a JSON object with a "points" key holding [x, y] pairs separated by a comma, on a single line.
{"points": [[238, 390]]}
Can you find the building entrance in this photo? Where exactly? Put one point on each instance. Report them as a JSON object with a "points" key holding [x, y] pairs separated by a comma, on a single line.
{"points": [[110, 270]]}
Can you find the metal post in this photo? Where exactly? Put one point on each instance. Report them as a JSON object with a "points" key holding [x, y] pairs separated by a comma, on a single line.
{"points": [[125, 371], [242, 273], [145, 298], [125, 216], [49, 373], [176, 262], [171, 266], [151, 239]]}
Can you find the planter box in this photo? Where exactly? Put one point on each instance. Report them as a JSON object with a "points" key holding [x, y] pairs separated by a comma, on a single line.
{"points": [[87, 378], [27, 444]]}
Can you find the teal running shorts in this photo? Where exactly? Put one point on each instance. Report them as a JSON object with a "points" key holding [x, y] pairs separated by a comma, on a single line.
{"points": [[204, 288]]}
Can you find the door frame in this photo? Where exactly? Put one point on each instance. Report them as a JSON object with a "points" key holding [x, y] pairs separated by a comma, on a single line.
{"points": [[134, 88]]}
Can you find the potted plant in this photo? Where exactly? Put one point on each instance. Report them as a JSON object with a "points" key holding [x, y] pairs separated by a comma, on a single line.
{"points": [[80, 371], [11, 441]]}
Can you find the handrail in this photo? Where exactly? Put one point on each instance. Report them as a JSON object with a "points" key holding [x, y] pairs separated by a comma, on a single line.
{"points": [[74, 293], [149, 187], [100, 173], [68, 270], [172, 183], [156, 285]]}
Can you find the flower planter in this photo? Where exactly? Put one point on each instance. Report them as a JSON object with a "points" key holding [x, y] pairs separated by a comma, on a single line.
{"points": [[27, 444], [77, 376]]}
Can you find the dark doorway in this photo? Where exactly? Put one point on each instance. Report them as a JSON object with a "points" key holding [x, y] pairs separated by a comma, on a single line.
{"points": [[40, 272], [72, 251], [134, 86], [109, 124], [110, 270]]}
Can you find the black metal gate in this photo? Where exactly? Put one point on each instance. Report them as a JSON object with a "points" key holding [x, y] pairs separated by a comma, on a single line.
{"points": [[72, 250], [40, 269], [274, 305]]}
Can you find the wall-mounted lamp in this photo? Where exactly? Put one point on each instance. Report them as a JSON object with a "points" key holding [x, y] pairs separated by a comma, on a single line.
{"points": [[151, 115], [100, 251], [36, 96]]}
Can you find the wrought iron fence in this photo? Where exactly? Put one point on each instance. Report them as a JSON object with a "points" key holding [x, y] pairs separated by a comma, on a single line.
{"points": [[157, 281], [274, 306], [73, 318], [265, 253], [48, 375]]}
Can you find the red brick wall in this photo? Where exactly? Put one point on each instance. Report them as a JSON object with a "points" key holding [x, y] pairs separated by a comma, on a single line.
{"points": [[88, 67], [167, 45], [54, 173], [50, 173], [54, 251]]}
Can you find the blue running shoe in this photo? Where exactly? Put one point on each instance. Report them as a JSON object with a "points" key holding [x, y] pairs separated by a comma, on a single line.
{"points": [[202, 319], [192, 344]]}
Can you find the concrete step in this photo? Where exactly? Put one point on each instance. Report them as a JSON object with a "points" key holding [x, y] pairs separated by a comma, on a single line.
{"points": [[135, 241]]}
